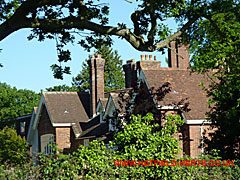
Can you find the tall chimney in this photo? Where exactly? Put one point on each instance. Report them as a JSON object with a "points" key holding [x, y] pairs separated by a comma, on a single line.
{"points": [[178, 56], [96, 66], [130, 73]]}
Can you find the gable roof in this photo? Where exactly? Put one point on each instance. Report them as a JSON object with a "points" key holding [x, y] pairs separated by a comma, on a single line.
{"points": [[104, 102], [184, 85], [120, 100], [65, 107]]}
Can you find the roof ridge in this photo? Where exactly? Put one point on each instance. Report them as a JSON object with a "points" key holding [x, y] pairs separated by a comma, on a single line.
{"points": [[58, 92], [167, 68]]}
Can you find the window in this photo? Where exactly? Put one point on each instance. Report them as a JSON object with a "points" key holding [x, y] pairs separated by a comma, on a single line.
{"points": [[22, 127], [85, 142], [46, 144]]}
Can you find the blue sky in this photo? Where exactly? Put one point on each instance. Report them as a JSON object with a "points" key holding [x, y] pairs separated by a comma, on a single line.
{"points": [[27, 63]]}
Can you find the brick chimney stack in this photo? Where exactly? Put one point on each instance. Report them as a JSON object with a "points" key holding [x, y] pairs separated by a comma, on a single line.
{"points": [[96, 66], [178, 56], [131, 68], [130, 73], [148, 63]]}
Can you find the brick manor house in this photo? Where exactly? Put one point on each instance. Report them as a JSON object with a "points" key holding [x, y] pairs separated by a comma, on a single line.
{"points": [[73, 118]]}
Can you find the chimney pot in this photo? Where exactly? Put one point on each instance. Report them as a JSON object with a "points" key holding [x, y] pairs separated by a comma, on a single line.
{"points": [[146, 57], [155, 58], [130, 61], [150, 57], [142, 56]]}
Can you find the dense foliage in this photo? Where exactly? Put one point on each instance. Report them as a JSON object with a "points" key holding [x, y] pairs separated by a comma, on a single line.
{"points": [[96, 161], [15, 102], [216, 52], [113, 72], [13, 149]]}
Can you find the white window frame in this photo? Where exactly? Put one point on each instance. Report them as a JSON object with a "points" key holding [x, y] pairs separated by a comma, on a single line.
{"points": [[47, 143], [85, 142]]}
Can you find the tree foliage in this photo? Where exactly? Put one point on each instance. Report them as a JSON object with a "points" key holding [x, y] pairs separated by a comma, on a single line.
{"points": [[98, 161], [62, 88], [113, 73], [216, 52], [138, 141], [15, 103], [13, 149], [63, 20]]}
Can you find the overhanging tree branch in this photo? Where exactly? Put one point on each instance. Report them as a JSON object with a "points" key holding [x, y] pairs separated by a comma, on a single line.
{"points": [[176, 35], [214, 24], [52, 25]]}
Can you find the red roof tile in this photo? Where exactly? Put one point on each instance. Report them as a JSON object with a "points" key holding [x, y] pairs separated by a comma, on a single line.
{"points": [[184, 85], [65, 107]]}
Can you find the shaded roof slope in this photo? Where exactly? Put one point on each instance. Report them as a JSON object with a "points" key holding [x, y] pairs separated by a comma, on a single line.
{"points": [[104, 102], [85, 99], [94, 128], [120, 100], [184, 85], [65, 107]]}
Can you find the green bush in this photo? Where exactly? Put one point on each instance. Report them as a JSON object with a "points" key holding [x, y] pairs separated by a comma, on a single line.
{"points": [[139, 140], [13, 149]]}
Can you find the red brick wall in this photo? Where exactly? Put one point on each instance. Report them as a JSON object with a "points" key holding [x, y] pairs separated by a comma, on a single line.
{"points": [[195, 137], [178, 56], [186, 139], [63, 138], [44, 126], [61, 134]]}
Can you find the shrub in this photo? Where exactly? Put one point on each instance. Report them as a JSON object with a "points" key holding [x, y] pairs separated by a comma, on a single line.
{"points": [[13, 149]]}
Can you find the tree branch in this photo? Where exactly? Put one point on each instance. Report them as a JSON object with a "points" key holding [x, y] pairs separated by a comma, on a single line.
{"points": [[214, 24], [51, 25], [173, 37], [71, 22], [153, 23]]}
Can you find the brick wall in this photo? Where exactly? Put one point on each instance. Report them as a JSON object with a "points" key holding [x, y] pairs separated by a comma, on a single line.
{"points": [[63, 138], [178, 56], [195, 137], [44, 126], [186, 139], [61, 134]]}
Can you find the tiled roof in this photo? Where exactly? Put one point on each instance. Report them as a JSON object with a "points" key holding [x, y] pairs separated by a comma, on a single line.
{"points": [[94, 128], [119, 101], [85, 99], [66, 107], [184, 85]]}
